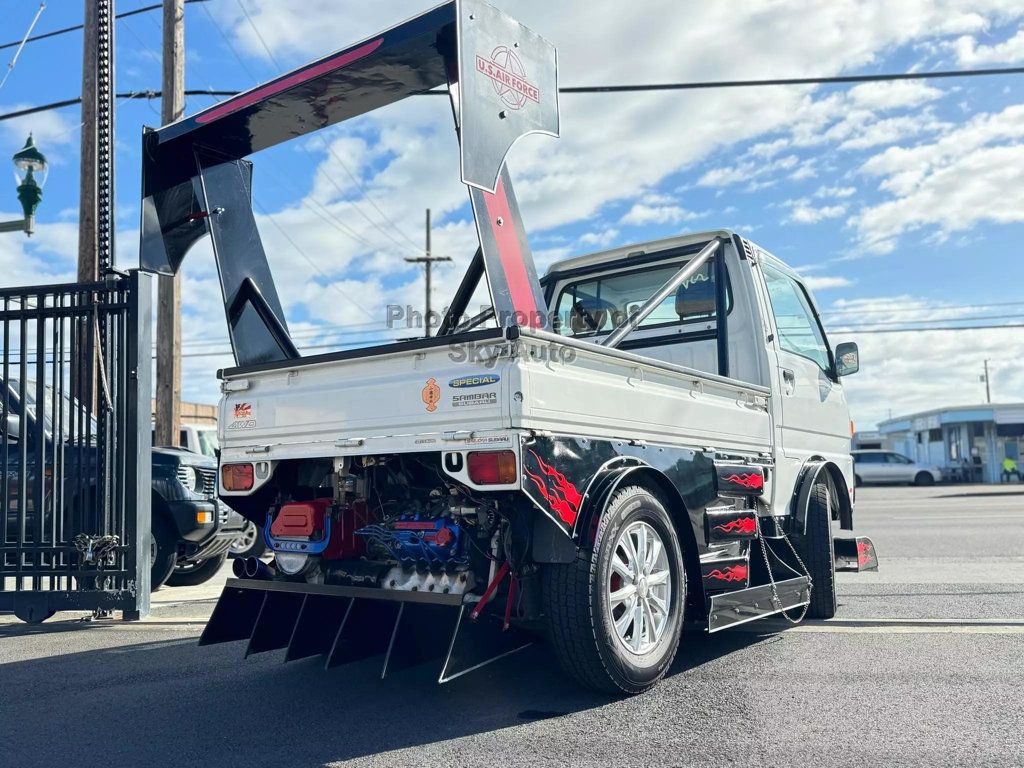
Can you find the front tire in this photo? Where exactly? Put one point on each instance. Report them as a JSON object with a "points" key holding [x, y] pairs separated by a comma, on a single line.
{"points": [[191, 574], [163, 551], [815, 549], [615, 614], [924, 479]]}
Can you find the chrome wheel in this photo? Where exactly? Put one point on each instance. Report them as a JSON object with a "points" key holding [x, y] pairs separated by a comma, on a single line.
{"points": [[245, 541], [639, 589]]}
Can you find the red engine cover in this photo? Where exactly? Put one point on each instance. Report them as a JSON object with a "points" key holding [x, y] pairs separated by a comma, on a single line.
{"points": [[301, 520], [344, 543]]}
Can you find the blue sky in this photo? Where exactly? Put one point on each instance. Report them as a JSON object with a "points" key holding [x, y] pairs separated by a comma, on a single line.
{"points": [[895, 200]]}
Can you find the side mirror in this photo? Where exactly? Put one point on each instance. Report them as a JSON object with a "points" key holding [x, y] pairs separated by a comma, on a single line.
{"points": [[847, 358]]}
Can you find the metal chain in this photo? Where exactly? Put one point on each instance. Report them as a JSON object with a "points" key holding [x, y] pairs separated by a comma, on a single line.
{"points": [[771, 579]]}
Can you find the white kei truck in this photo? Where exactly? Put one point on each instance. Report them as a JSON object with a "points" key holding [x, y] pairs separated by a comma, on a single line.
{"points": [[647, 438]]}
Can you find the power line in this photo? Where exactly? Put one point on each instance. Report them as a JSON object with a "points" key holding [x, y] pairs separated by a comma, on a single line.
{"points": [[838, 79], [839, 331], [648, 87], [76, 27], [123, 95], [330, 280], [883, 310], [355, 180], [24, 39], [881, 323]]}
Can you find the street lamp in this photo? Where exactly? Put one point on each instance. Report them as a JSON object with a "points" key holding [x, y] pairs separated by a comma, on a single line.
{"points": [[28, 163]]}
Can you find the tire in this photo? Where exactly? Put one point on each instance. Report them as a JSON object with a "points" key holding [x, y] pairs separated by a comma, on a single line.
{"points": [[582, 616], [924, 479], [250, 543], [163, 549], [191, 574], [815, 549]]}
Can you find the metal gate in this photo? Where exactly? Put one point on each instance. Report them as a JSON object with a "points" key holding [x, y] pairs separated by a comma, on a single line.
{"points": [[75, 385]]}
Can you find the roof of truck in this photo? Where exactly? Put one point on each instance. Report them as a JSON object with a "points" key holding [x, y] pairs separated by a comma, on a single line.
{"points": [[638, 249]]}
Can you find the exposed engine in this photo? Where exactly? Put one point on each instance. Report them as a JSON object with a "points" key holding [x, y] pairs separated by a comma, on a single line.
{"points": [[394, 523]]}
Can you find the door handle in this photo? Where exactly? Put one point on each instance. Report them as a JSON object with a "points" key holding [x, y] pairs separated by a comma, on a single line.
{"points": [[788, 381]]}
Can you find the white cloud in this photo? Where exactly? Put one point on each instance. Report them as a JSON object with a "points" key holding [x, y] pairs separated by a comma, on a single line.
{"points": [[839, 192], [802, 212], [826, 282], [972, 174], [969, 53], [641, 214], [601, 239]]}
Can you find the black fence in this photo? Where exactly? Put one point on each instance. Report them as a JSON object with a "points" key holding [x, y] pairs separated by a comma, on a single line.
{"points": [[75, 385]]}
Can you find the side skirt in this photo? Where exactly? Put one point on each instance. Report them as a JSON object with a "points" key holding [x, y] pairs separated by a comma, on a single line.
{"points": [[730, 609]]}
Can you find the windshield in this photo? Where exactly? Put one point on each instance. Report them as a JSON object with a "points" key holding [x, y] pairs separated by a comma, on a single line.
{"points": [[208, 444], [68, 406]]}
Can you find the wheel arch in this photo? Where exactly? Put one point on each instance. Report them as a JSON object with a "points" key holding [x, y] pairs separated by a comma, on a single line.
{"points": [[814, 471], [655, 481]]}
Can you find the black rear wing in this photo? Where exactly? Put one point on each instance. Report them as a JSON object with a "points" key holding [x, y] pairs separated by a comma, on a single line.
{"points": [[503, 83]]}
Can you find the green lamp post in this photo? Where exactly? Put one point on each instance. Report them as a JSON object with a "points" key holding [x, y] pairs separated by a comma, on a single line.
{"points": [[29, 163]]}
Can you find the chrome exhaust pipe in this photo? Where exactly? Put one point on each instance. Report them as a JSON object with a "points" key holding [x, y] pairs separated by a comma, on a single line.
{"points": [[257, 569], [238, 567]]}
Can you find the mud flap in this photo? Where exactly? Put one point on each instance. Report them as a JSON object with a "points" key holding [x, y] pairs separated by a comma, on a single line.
{"points": [[349, 624], [856, 554]]}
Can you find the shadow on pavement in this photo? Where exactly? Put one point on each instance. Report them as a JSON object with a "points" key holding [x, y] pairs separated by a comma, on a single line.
{"points": [[170, 702]]}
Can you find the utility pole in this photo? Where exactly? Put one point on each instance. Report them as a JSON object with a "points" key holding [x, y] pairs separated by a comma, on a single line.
{"points": [[88, 270], [427, 260], [168, 311], [988, 390]]}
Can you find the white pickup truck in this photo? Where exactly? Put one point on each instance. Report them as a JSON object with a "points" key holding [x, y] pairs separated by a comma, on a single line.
{"points": [[647, 436]]}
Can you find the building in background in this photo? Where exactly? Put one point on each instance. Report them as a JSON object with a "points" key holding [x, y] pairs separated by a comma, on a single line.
{"points": [[968, 442], [864, 440]]}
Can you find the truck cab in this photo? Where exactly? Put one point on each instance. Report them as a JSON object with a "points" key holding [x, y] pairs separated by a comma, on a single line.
{"points": [[771, 336]]}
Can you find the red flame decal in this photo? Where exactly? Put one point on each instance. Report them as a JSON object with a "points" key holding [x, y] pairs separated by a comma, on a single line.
{"points": [[741, 525], [561, 495], [732, 573], [752, 480]]}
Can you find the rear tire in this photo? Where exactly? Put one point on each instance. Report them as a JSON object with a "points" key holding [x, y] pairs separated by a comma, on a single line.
{"points": [[608, 641], [924, 478], [196, 573], [815, 549], [163, 548]]}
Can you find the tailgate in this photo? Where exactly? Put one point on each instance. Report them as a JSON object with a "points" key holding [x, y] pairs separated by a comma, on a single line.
{"points": [[432, 389]]}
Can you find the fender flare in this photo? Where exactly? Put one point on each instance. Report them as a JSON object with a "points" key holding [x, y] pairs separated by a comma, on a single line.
{"points": [[814, 471], [613, 476]]}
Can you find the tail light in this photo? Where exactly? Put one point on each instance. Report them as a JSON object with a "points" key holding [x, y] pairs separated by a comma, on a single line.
{"points": [[236, 477], [492, 467]]}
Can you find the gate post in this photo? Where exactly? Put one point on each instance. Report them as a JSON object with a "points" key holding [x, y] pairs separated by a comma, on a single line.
{"points": [[138, 442]]}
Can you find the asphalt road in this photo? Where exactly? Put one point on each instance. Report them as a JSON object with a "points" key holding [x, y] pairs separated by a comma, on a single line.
{"points": [[924, 665]]}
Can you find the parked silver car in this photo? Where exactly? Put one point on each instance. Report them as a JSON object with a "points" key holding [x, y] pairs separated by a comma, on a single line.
{"points": [[875, 466]]}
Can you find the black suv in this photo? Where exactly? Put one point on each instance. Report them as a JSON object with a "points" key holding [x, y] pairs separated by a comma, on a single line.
{"points": [[191, 529]]}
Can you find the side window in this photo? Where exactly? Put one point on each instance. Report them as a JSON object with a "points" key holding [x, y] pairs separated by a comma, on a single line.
{"points": [[799, 331]]}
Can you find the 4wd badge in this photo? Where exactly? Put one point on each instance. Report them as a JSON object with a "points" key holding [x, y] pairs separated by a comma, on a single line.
{"points": [[431, 395], [508, 76]]}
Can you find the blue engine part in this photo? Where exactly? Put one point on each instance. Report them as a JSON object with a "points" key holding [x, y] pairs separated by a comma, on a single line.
{"points": [[436, 542]]}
